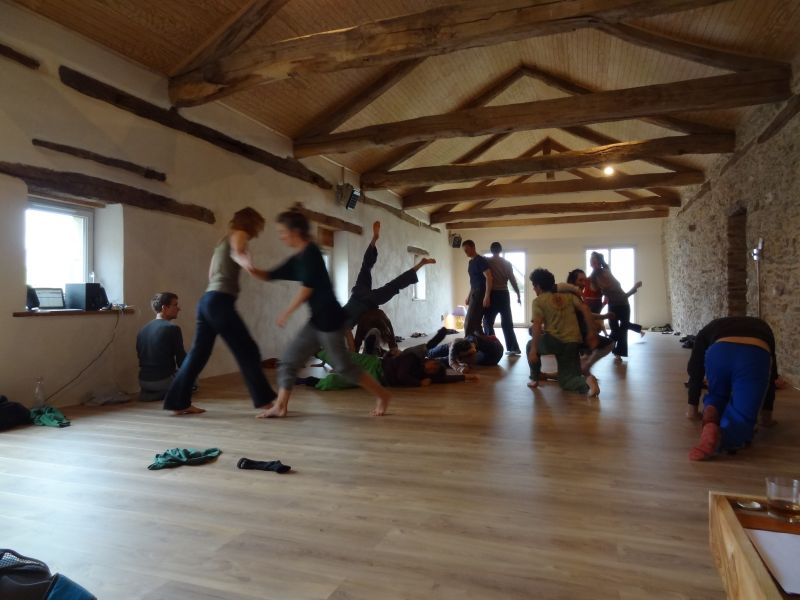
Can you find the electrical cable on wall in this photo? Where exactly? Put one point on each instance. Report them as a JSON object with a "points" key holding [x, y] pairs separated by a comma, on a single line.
{"points": [[93, 361]]}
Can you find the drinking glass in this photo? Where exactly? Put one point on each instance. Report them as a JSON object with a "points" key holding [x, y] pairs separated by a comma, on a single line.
{"points": [[783, 498]]}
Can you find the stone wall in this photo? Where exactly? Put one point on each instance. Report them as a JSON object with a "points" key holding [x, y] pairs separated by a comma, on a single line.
{"points": [[763, 178]]}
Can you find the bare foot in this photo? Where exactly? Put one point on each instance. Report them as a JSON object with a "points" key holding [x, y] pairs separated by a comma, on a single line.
{"points": [[533, 384], [274, 411], [641, 333], [376, 231], [428, 261], [190, 410], [594, 387], [692, 413], [381, 405]]}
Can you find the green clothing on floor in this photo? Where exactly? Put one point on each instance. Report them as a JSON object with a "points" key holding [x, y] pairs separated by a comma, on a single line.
{"points": [[333, 381], [569, 365], [49, 416], [175, 457]]}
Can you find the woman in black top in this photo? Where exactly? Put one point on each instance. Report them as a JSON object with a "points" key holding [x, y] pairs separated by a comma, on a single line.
{"points": [[326, 326]]}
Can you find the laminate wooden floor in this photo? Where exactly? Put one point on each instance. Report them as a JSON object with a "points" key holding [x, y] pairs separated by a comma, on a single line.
{"points": [[485, 491]]}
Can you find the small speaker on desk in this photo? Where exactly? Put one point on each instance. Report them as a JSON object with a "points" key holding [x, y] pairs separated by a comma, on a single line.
{"points": [[86, 296]]}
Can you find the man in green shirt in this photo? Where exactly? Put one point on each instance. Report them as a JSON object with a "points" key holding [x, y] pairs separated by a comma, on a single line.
{"points": [[556, 331]]}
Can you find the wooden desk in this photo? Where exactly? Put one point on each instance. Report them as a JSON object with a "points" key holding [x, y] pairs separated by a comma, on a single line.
{"points": [[744, 574]]}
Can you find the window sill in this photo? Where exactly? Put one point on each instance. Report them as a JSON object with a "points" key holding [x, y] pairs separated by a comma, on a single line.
{"points": [[71, 313]]}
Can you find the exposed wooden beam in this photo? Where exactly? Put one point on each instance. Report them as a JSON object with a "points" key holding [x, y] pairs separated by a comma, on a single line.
{"points": [[664, 192], [440, 30], [557, 207], [486, 95], [713, 57], [575, 89], [229, 36], [64, 183], [19, 57], [117, 163], [590, 157], [170, 118], [623, 216], [547, 188], [328, 221], [333, 118], [787, 113], [709, 93], [547, 150]]}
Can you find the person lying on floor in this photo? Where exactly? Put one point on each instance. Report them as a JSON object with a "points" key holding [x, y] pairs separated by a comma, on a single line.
{"points": [[737, 356], [410, 368], [463, 354]]}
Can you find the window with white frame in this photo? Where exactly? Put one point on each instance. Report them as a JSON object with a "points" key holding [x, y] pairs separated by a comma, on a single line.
{"points": [[58, 243]]}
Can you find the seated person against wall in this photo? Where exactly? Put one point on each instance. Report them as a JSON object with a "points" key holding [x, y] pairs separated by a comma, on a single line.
{"points": [[556, 331], [737, 356], [159, 345], [464, 353], [409, 368]]}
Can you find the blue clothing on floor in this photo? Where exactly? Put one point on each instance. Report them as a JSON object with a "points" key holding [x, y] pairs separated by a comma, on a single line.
{"points": [[738, 378]]}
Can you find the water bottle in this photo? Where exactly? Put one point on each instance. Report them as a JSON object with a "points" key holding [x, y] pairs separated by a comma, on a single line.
{"points": [[38, 393]]}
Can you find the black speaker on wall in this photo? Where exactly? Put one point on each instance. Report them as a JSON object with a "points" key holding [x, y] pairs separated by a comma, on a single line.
{"points": [[455, 240], [86, 296]]}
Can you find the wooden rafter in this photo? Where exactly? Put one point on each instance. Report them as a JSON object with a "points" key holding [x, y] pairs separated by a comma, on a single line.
{"points": [[440, 30], [712, 57], [171, 118], [592, 218], [575, 89], [486, 95], [547, 188], [61, 184], [709, 93], [557, 207], [19, 57], [626, 193], [590, 157], [234, 32], [333, 118]]}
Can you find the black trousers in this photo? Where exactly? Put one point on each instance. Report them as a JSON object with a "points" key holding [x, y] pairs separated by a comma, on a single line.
{"points": [[500, 303]]}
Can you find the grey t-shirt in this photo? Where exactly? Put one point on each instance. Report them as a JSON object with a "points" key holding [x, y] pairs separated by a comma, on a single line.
{"points": [[502, 272], [160, 349], [224, 270]]}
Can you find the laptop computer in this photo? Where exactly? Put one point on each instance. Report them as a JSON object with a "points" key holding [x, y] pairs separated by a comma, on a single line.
{"points": [[50, 298]]}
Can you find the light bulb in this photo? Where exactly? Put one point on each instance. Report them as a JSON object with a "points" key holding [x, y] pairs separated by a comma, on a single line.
{"points": [[608, 171]]}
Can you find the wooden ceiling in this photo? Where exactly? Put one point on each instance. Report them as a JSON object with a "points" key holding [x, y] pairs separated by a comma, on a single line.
{"points": [[529, 90]]}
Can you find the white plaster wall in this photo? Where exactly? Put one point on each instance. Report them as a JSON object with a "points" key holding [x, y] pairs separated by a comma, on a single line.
{"points": [[561, 248], [157, 251]]}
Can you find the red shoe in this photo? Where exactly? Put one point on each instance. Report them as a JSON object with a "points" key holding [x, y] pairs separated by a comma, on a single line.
{"points": [[709, 442]]}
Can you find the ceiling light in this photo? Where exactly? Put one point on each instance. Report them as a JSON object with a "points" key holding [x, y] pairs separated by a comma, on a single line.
{"points": [[608, 171]]}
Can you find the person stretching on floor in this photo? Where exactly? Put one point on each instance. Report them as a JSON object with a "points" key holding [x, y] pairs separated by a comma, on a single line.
{"points": [[463, 354], [410, 368], [556, 331], [737, 356], [326, 326]]}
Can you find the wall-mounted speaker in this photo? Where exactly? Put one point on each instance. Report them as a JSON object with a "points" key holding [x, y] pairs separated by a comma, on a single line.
{"points": [[455, 240], [348, 195]]}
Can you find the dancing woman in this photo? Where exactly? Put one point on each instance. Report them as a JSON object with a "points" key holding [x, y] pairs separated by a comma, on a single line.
{"points": [[216, 315], [325, 328], [602, 279]]}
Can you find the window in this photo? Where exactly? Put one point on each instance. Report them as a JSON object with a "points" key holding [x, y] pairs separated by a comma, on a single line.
{"points": [[58, 244], [517, 260], [622, 262], [420, 288]]}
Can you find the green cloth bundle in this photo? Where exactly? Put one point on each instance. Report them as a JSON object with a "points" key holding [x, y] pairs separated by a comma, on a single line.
{"points": [[176, 457], [49, 416]]}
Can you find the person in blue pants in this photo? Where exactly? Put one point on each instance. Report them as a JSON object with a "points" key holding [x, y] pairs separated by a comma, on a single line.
{"points": [[737, 357]]}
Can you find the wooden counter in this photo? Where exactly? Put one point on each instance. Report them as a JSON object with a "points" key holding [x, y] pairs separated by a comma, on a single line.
{"points": [[744, 574]]}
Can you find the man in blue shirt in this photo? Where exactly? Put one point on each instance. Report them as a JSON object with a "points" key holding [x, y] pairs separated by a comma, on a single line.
{"points": [[480, 287]]}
